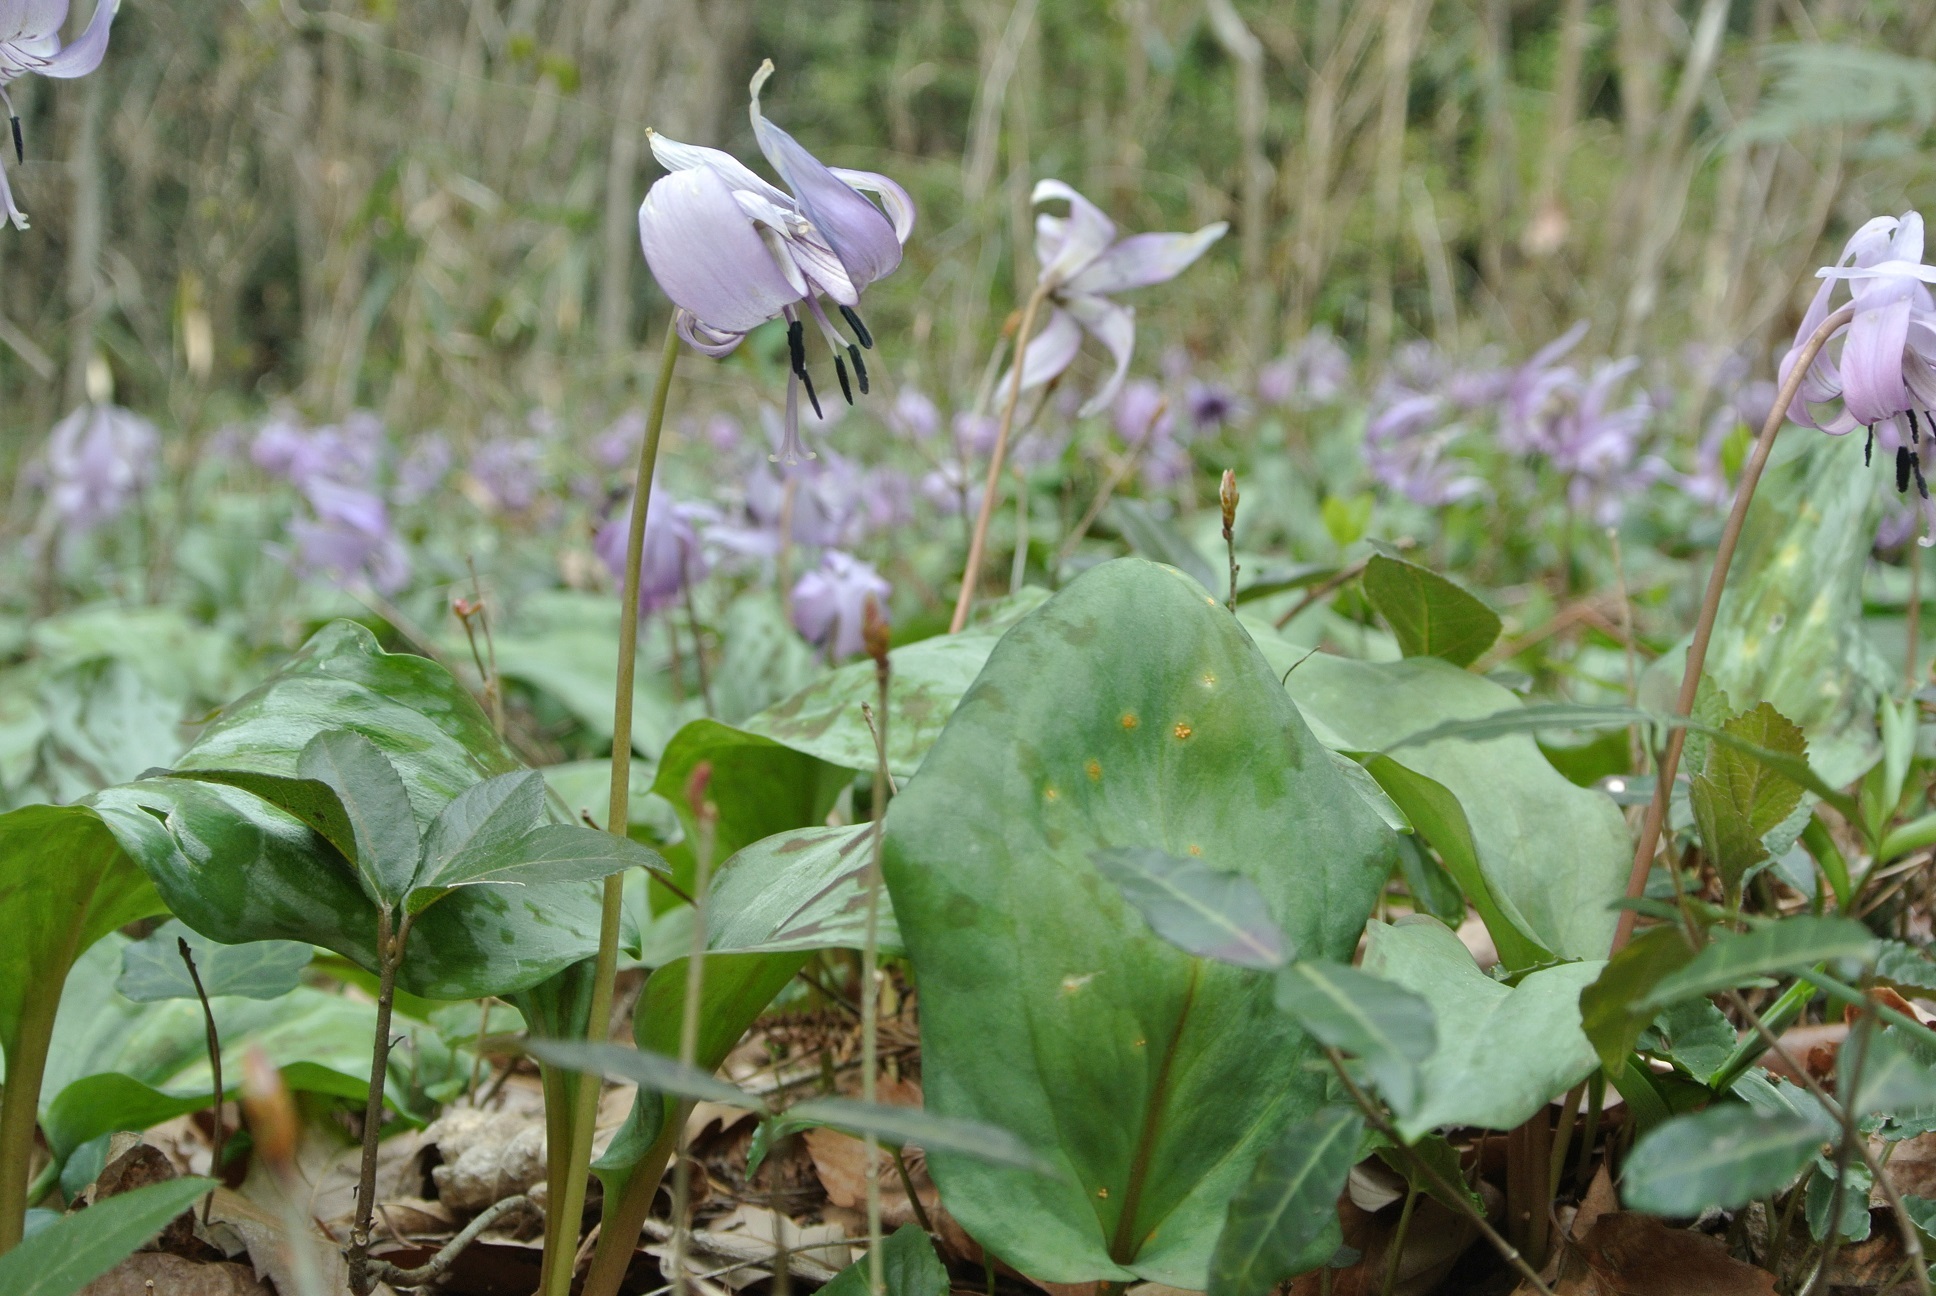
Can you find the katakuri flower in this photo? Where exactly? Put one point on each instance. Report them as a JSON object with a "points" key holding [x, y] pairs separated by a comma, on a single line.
{"points": [[1884, 372], [733, 251], [30, 42], [1082, 265], [830, 601], [97, 460], [673, 557]]}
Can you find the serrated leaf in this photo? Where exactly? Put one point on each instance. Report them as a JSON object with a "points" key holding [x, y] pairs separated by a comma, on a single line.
{"points": [[1735, 959], [1284, 1221], [1614, 1010], [1819, 1198], [1387, 1028], [1906, 967], [899, 1125], [1201, 910], [382, 823], [1428, 614], [152, 968], [74, 1250], [1738, 799], [1723, 1157]]}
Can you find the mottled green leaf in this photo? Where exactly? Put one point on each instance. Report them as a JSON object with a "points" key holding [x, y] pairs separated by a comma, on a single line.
{"points": [[152, 968], [799, 890]]}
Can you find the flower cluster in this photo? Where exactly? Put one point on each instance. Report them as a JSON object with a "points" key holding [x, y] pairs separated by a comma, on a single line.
{"points": [[347, 535], [96, 461]]}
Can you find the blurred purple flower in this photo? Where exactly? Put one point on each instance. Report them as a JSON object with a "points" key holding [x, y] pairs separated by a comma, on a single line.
{"points": [[1142, 410], [345, 453], [1598, 446], [1082, 265], [722, 433], [1529, 404], [733, 251], [1211, 405], [1314, 372], [96, 461], [672, 557], [349, 537], [1405, 448], [914, 415], [1277, 381], [828, 602], [423, 469], [508, 471], [975, 433], [30, 42], [619, 442], [952, 488]]}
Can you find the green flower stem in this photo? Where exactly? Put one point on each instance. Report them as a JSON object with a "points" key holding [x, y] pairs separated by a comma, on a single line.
{"points": [[19, 1100], [1670, 758], [570, 1201]]}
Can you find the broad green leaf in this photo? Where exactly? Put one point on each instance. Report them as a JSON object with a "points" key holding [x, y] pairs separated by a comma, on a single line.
{"points": [[1130, 710], [799, 890], [1694, 1035], [74, 1250], [1735, 959], [483, 822], [312, 802], [759, 786], [152, 968], [105, 724], [382, 824], [1738, 800], [648, 1070], [1501, 1052], [1553, 857], [762, 659], [1790, 629], [1895, 1076], [902, 1125], [236, 869], [1284, 1221], [1429, 615], [909, 1267], [1386, 1027], [1906, 967], [546, 855], [1617, 1007], [1200, 910], [64, 883], [1723, 1157], [1819, 1199]]}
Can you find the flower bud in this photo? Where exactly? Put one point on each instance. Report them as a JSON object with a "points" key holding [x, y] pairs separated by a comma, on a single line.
{"points": [[1227, 496], [271, 1113]]}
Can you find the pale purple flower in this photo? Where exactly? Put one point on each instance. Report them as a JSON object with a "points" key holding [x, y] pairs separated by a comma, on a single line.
{"points": [[975, 433], [1535, 393], [618, 443], [1211, 406], [672, 557], [914, 415], [1405, 451], [509, 471], [30, 42], [1082, 266], [952, 488], [1277, 381], [1597, 445], [96, 461], [723, 434], [830, 601], [1143, 411], [345, 453], [1314, 372], [1885, 372], [733, 251], [349, 538], [423, 469]]}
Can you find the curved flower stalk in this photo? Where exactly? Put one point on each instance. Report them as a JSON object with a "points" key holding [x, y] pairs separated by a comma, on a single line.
{"points": [[1083, 265], [1884, 373], [30, 42], [733, 251]]}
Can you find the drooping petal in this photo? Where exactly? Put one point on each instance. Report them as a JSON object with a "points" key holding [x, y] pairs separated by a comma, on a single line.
{"points": [[1051, 351], [85, 54], [1144, 259], [1872, 362], [13, 213], [855, 228], [674, 156], [1881, 270], [1115, 327], [703, 338], [707, 255], [900, 207], [1064, 247]]}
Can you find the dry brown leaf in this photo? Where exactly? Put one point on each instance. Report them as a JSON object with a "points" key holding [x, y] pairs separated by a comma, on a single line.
{"points": [[1632, 1254], [1600, 1200], [253, 1225], [156, 1273]]}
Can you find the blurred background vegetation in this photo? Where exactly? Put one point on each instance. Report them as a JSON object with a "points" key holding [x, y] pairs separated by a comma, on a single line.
{"points": [[427, 207]]}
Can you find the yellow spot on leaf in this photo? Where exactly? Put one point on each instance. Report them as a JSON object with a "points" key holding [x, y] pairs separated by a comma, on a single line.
{"points": [[1094, 770], [1129, 720], [1183, 729], [1196, 850], [1071, 984], [1051, 794], [1103, 1193]]}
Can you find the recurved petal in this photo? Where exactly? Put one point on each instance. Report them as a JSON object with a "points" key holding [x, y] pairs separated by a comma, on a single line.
{"points": [[703, 338], [674, 156], [1144, 259], [855, 228], [1881, 270], [707, 255], [900, 207], [1115, 327], [85, 54], [1065, 247], [7, 207], [1051, 351], [1871, 365]]}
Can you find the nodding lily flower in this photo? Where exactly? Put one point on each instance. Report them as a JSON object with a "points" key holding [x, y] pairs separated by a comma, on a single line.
{"points": [[733, 251], [1083, 264], [830, 602], [97, 460], [1885, 373], [30, 42]]}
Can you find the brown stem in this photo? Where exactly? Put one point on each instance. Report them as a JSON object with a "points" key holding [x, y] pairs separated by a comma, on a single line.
{"points": [[389, 946], [427, 1273], [1330, 583], [1670, 759], [870, 998], [214, 1065], [971, 571]]}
